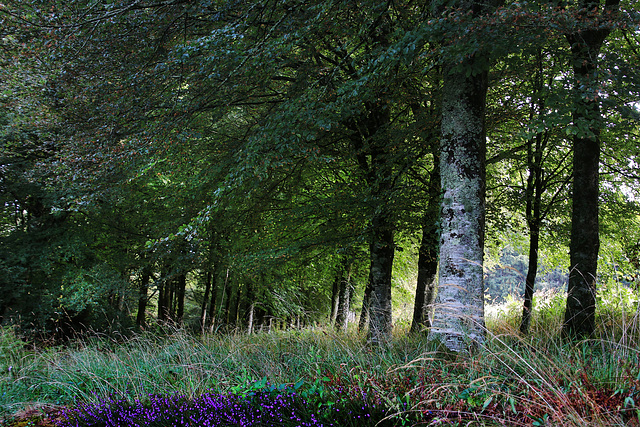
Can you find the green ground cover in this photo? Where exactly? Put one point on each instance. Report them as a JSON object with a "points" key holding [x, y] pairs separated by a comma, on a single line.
{"points": [[318, 377]]}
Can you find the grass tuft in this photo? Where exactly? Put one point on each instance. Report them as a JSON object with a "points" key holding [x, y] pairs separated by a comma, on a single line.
{"points": [[318, 376]]}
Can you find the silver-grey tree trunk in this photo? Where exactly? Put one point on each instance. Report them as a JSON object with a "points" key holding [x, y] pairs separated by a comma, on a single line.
{"points": [[458, 320]]}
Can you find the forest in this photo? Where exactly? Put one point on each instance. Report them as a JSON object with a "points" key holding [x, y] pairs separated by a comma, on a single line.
{"points": [[224, 165], [392, 173]]}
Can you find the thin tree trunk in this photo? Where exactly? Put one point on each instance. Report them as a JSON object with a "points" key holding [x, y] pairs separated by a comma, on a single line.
{"points": [[170, 293], [205, 300], [366, 304], [534, 192], [236, 314], [534, 219], [181, 287], [530, 280], [252, 309], [143, 297], [428, 257], [229, 303], [163, 299], [335, 298], [213, 303], [427, 278], [342, 318]]}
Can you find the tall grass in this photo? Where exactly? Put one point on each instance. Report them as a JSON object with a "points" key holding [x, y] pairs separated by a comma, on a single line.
{"points": [[512, 380]]}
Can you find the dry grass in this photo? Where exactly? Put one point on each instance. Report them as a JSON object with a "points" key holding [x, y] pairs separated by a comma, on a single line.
{"points": [[512, 380]]}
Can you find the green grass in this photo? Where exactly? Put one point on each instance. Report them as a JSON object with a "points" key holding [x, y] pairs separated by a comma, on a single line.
{"points": [[535, 380]]}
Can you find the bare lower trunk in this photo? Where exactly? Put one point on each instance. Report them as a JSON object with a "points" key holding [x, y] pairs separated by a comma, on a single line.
{"points": [[530, 281], [335, 298], [143, 298], [366, 304], [252, 309], [382, 254], [205, 301], [427, 280], [181, 286], [459, 309], [345, 297], [428, 258]]}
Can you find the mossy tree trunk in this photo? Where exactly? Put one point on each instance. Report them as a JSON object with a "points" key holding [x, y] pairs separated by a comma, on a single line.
{"points": [[459, 308]]}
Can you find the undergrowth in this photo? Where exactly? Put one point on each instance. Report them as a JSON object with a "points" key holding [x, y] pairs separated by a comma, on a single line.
{"points": [[318, 376]]}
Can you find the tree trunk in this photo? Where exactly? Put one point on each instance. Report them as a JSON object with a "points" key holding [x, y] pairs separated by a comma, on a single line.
{"points": [[366, 304], [345, 296], [534, 191], [205, 300], [335, 298], [169, 299], [219, 315], [585, 46], [181, 287], [428, 257], [143, 297], [164, 288], [236, 314], [252, 309], [382, 254], [459, 309], [213, 303], [532, 271], [427, 278], [232, 291]]}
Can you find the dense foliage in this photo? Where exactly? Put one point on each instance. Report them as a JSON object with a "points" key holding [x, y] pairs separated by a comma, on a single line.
{"points": [[226, 164]]}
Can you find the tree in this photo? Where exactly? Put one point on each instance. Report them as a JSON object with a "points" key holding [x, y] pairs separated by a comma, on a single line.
{"points": [[459, 308], [585, 44]]}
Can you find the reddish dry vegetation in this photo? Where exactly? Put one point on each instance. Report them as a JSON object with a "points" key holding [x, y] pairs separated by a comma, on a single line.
{"points": [[433, 397], [40, 417]]}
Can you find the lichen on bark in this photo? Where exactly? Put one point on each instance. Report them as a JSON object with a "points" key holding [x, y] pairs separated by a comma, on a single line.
{"points": [[459, 309]]}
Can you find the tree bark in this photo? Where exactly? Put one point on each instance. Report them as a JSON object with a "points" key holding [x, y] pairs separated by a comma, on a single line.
{"points": [[205, 300], [428, 257], [382, 254], [531, 278], [344, 300], [459, 309], [218, 314], [366, 304], [143, 297], [585, 47], [534, 191], [181, 287], [164, 298], [335, 298], [252, 310]]}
